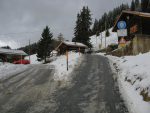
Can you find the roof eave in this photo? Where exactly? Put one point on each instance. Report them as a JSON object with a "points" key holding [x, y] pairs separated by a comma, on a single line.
{"points": [[114, 28], [140, 14]]}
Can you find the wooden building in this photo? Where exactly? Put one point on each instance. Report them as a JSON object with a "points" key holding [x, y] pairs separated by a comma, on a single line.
{"points": [[70, 46], [11, 55], [137, 23], [137, 39]]}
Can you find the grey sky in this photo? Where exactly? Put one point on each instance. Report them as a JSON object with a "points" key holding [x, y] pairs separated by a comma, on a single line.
{"points": [[23, 16]]}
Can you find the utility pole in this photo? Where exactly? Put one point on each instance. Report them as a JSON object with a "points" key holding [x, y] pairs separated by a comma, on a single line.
{"points": [[67, 59], [29, 51], [96, 39], [101, 37], [21, 59], [105, 34]]}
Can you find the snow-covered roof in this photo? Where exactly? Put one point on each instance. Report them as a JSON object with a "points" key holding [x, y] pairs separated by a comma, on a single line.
{"points": [[142, 14], [54, 52], [74, 44], [12, 52], [126, 12]]}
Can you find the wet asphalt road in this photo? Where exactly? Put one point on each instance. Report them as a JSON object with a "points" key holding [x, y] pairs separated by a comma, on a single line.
{"points": [[29, 91], [91, 89], [94, 89]]}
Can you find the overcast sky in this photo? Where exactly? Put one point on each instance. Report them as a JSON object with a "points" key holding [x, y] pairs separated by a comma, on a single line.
{"points": [[21, 20]]}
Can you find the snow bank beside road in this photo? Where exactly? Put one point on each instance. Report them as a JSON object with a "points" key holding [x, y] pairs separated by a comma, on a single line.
{"points": [[33, 59], [8, 69], [61, 72], [134, 78]]}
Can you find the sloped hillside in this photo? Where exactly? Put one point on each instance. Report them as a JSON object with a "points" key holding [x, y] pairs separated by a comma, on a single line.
{"points": [[96, 41]]}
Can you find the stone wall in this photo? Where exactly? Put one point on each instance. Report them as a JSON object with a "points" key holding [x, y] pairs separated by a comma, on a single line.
{"points": [[127, 50], [139, 44]]}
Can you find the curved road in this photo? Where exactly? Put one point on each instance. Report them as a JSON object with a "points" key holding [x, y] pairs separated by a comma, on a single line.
{"points": [[92, 89]]}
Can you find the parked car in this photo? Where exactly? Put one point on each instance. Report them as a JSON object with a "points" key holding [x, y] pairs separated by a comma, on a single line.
{"points": [[21, 62]]}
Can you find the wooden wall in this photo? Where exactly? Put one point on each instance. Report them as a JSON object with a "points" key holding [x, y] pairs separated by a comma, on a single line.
{"points": [[139, 44]]}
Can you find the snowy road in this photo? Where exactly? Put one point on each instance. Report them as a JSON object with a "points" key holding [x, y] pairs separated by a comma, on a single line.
{"points": [[91, 90], [28, 92]]}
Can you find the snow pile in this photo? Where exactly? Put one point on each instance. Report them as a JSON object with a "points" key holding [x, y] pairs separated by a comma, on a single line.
{"points": [[134, 80], [33, 59], [61, 73], [96, 41], [8, 69]]}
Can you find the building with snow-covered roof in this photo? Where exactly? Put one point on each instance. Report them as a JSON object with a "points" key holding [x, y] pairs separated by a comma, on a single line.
{"points": [[136, 23], [12, 52], [69, 46], [133, 29], [11, 55]]}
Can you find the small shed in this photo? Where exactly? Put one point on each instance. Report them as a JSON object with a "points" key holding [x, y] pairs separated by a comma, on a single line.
{"points": [[69, 46], [137, 23], [10, 55]]}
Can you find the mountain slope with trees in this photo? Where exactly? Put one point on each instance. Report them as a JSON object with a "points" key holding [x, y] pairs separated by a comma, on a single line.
{"points": [[107, 20]]}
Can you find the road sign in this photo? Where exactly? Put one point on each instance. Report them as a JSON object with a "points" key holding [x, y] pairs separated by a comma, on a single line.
{"points": [[122, 32], [122, 42], [121, 25]]}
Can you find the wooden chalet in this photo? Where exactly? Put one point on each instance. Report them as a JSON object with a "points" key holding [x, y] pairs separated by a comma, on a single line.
{"points": [[137, 33], [137, 23], [70, 46], [11, 55]]}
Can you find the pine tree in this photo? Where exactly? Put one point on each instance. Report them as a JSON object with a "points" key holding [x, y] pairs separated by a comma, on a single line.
{"points": [[82, 28], [95, 28], [32, 49], [107, 33], [6, 47], [60, 37], [109, 18], [44, 45], [132, 6], [144, 5], [97, 33], [137, 4], [77, 29]]}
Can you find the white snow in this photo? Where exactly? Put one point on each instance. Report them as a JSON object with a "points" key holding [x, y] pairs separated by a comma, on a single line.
{"points": [[96, 41], [61, 73], [8, 69], [74, 44], [133, 77], [33, 59], [12, 51]]}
